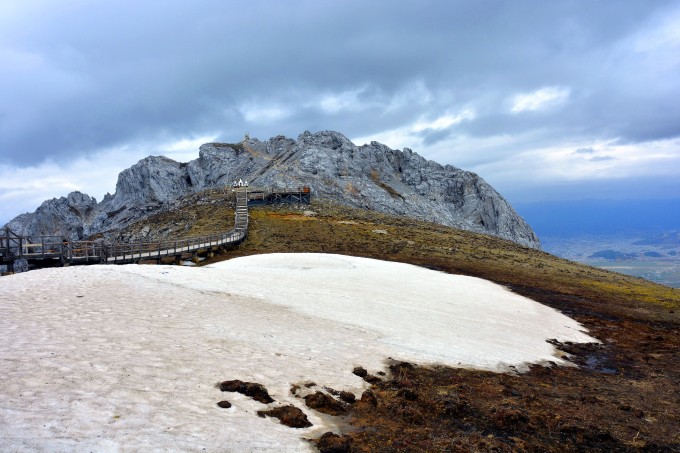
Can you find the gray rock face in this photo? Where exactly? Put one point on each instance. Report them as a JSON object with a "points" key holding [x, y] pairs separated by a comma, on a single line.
{"points": [[144, 188], [153, 180], [371, 176], [63, 217]]}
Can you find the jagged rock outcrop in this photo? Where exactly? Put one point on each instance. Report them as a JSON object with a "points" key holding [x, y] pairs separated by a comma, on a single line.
{"points": [[370, 176], [153, 180], [63, 217]]}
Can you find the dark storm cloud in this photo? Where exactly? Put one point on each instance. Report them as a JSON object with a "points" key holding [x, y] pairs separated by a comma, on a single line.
{"points": [[488, 85], [79, 76]]}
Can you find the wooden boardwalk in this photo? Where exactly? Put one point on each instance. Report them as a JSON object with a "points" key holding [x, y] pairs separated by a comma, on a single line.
{"points": [[53, 251]]}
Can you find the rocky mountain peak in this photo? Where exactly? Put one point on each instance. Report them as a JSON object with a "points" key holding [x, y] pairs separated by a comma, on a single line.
{"points": [[152, 180], [371, 176]]}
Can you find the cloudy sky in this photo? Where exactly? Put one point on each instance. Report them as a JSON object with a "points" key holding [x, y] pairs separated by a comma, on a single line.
{"points": [[545, 100]]}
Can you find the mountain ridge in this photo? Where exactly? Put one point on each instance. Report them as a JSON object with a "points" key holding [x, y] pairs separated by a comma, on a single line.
{"points": [[371, 176]]}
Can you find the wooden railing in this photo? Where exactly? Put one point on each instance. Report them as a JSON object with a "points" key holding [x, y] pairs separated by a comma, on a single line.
{"points": [[129, 252], [51, 249], [13, 246]]}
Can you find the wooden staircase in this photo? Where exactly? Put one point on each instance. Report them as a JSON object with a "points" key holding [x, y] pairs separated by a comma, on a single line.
{"points": [[241, 220]]}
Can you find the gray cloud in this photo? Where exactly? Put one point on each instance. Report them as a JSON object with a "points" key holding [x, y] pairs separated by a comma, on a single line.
{"points": [[432, 136], [601, 158], [584, 151], [79, 77], [644, 188]]}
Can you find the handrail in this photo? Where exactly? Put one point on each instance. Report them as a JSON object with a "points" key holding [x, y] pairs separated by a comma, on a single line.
{"points": [[13, 246]]}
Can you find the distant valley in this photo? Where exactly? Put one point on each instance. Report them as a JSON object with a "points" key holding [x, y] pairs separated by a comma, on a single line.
{"points": [[639, 238]]}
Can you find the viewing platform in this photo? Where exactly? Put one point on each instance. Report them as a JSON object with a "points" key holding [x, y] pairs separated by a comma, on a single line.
{"points": [[296, 195]]}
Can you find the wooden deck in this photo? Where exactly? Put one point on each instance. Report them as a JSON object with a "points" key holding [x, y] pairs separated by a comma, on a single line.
{"points": [[299, 195]]}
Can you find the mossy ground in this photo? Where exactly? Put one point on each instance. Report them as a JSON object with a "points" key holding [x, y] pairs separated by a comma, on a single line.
{"points": [[622, 396]]}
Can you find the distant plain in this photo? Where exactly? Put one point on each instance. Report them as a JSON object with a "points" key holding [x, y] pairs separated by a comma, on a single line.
{"points": [[633, 237]]}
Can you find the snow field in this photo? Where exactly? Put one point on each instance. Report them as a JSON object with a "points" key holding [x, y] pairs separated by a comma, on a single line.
{"points": [[125, 358]]}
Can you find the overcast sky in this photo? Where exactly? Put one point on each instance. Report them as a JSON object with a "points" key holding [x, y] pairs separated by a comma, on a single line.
{"points": [[544, 99]]}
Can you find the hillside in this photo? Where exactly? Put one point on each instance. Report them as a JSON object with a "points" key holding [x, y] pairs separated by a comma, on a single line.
{"points": [[621, 397]]}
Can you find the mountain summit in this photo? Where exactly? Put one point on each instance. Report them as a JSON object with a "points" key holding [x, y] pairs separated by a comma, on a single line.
{"points": [[371, 176]]}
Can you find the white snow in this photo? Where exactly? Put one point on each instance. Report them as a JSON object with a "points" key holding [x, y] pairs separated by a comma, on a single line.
{"points": [[126, 358]]}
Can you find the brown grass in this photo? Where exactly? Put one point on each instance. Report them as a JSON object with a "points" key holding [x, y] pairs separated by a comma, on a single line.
{"points": [[375, 177]]}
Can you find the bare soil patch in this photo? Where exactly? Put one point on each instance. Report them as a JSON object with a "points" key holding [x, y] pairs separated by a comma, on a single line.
{"points": [[252, 389], [288, 415]]}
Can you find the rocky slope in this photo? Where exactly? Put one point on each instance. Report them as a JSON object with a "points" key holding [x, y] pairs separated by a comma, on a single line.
{"points": [[370, 176]]}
